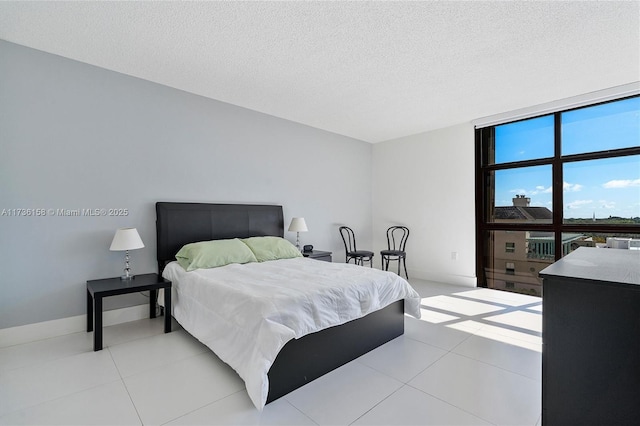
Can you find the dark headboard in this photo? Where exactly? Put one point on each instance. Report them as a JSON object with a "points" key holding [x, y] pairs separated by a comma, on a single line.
{"points": [[178, 224]]}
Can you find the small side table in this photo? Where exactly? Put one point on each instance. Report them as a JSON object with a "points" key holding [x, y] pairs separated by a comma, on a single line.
{"points": [[318, 255], [97, 289]]}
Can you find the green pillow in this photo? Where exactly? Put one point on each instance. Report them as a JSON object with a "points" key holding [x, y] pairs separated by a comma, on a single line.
{"points": [[271, 248], [211, 254]]}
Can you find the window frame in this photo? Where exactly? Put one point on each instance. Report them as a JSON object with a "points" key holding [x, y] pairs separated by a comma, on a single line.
{"points": [[484, 189]]}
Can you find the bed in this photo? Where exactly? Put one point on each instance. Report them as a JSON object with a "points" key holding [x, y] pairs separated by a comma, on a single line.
{"points": [[298, 360]]}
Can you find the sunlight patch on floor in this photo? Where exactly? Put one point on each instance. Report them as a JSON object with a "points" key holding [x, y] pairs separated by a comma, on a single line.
{"points": [[509, 334], [511, 318], [436, 317], [459, 306], [502, 297], [524, 320]]}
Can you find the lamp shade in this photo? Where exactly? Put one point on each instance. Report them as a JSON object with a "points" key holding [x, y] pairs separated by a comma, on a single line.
{"points": [[126, 239], [298, 225]]}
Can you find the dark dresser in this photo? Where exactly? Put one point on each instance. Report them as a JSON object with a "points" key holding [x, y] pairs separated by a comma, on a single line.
{"points": [[591, 338]]}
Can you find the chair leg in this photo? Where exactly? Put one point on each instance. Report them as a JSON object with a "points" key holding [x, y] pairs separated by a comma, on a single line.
{"points": [[404, 263]]}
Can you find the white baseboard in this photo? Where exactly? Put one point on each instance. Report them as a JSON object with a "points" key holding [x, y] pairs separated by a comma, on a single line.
{"points": [[461, 280], [48, 329]]}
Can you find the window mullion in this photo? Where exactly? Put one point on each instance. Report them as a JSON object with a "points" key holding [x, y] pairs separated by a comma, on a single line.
{"points": [[557, 198]]}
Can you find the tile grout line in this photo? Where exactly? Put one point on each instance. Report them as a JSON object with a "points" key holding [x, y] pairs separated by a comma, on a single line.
{"points": [[449, 403], [124, 384], [30, 407], [378, 403]]}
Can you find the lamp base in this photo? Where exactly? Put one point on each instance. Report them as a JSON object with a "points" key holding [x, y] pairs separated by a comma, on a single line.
{"points": [[127, 269]]}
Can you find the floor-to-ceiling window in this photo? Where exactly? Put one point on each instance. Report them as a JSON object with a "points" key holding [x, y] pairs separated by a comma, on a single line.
{"points": [[550, 184]]}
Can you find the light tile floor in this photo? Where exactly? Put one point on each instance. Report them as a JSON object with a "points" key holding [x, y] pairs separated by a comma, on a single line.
{"points": [[473, 359]]}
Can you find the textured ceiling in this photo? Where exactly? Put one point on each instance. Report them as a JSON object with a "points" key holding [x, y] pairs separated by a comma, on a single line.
{"points": [[370, 70]]}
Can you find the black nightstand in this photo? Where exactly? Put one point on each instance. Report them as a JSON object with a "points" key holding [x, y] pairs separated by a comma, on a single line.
{"points": [[97, 289], [318, 255]]}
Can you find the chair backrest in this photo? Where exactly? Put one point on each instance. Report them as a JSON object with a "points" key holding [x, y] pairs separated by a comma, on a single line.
{"points": [[397, 237], [348, 238]]}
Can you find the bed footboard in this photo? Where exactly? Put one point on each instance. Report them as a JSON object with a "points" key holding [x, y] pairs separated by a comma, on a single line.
{"points": [[302, 360]]}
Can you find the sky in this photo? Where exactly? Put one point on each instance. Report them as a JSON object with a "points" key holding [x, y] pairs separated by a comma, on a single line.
{"points": [[609, 187]]}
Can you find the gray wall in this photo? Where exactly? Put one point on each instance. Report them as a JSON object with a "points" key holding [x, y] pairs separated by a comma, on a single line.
{"points": [[74, 136]]}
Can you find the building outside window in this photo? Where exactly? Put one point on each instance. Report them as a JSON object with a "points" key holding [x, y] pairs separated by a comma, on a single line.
{"points": [[510, 268]]}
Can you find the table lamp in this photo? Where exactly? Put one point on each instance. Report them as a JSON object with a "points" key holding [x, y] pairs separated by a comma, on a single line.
{"points": [[126, 239], [298, 225]]}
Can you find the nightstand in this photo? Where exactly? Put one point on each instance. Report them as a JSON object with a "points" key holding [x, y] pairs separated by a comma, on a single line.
{"points": [[318, 255], [97, 289]]}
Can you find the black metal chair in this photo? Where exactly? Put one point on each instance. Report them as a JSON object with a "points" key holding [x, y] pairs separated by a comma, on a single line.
{"points": [[397, 237], [358, 256]]}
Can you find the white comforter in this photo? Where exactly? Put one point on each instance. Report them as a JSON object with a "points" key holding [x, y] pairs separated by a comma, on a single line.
{"points": [[247, 313]]}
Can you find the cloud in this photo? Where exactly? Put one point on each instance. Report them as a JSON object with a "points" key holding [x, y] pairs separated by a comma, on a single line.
{"points": [[622, 183], [607, 204], [518, 191], [571, 187], [540, 189], [578, 204]]}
